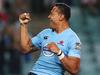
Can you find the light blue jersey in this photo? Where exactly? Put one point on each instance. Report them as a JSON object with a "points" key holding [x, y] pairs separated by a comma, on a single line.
{"points": [[48, 62]]}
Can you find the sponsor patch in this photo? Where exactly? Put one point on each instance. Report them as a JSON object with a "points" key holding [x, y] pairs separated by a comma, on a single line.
{"points": [[61, 42], [78, 46], [46, 37]]}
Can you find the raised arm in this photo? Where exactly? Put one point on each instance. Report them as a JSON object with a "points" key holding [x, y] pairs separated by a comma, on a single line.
{"points": [[25, 40]]}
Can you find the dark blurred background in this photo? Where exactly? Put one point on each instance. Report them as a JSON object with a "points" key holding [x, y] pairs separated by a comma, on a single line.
{"points": [[85, 20]]}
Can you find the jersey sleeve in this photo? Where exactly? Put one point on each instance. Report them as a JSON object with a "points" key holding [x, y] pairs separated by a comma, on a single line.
{"points": [[37, 40], [74, 46]]}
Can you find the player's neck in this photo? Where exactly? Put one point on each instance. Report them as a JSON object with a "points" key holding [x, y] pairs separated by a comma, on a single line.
{"points": [[63, 26]]}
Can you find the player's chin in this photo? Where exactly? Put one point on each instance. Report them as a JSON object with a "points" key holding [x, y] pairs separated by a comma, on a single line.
{"points": [[51, 26]]}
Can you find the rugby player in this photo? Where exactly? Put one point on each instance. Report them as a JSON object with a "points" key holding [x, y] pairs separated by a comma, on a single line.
{"points": [[60, 46]]}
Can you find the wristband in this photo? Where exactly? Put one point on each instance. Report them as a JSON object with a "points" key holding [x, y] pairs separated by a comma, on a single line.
{"points": [[60, 55]]}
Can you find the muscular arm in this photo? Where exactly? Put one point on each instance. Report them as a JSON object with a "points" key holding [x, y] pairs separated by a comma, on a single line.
{"points": [[25, 40], [71, 64]]}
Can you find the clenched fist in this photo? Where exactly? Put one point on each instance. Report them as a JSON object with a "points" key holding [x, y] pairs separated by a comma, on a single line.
{"points": [[24, 18], [53, 47]]}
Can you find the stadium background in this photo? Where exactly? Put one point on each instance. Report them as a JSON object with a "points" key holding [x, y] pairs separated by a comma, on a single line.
{"points": [[85, 20]]}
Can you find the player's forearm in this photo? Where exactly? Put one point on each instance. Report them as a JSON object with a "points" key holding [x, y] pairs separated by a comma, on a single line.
{"points": [[24, 38], [71, 65]]}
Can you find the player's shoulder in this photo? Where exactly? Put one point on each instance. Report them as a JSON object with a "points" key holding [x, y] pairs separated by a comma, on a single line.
{"points": [[45, 31], [73, 35]]}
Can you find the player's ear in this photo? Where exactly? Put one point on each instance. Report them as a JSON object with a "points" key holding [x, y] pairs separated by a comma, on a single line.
{"points": [[61, 17]]}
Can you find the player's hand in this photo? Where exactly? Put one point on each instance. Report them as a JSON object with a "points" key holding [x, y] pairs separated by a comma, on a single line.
{"points": [[53, 47], [24, 18]]}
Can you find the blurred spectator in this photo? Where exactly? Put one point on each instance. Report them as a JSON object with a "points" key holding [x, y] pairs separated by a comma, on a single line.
{"points": [[91, 6], [1, 5], [8, 48], [37, 6], [3, 15], [86, 20], [21, 6], [90, 19]]}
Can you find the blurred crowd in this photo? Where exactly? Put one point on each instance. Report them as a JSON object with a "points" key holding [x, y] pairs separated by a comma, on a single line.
{"points": [[10, 55], [85, 21]]}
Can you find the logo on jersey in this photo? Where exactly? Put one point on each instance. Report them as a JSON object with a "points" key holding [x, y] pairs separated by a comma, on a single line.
{"points": [[78, 46], [47, 52], [61, 42], [46, 37]]}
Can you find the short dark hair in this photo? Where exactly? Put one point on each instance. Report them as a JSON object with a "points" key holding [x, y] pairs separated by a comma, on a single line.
{"points": [[65, 9]]}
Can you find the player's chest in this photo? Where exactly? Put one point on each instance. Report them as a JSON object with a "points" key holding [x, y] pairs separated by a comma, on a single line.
{"points": [[61, 42]]}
